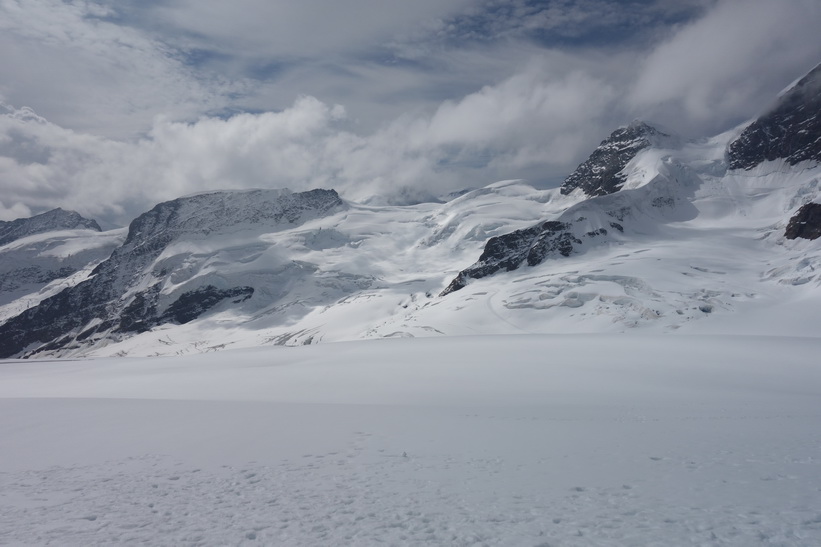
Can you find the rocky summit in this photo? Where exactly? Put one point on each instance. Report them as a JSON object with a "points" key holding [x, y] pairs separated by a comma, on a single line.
{"points": [[650, 233], [56, 219], [124, 293], [602, 173], [791, 131]]}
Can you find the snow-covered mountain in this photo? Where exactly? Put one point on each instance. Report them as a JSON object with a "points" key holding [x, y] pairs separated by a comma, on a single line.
{"points": [[164, 272], [639, 178], [56, 219], [791, 131], [41, 255], [651, 232]]}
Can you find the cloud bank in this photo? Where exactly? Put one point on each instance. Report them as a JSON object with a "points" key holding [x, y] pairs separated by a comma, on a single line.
{"points": [[161, 101]]}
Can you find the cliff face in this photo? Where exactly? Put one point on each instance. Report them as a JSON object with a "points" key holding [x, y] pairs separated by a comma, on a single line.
{"points": [[601, 173], [790, 131]]}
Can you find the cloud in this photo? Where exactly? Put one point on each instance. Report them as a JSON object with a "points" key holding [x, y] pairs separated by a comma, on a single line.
{"points": [[140, 102], [83, 71], [728, 65], [532, 121]]}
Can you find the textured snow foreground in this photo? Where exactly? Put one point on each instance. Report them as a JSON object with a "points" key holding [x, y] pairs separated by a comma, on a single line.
{"points": [[510, 440]]}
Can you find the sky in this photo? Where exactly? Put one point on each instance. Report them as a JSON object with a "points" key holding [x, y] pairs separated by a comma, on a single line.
{"points": [[108, 107]]}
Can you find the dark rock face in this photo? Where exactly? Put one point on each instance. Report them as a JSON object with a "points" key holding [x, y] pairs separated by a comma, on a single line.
{"points": [[601, 173], [791, 131], [192, 304], [14, 279], [54, 220], [99, 304], [530, 246], [806, 223]]}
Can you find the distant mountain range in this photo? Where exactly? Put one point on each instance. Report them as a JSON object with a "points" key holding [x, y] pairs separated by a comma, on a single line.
{"points": [[651, 232]]}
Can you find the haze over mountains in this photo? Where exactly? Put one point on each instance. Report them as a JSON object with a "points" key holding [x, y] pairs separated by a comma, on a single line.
{"points": [[652, 232]]}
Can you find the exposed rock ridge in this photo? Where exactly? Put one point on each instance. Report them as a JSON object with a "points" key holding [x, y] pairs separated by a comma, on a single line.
{"points": [[56, 219], [601, 173], [112, 301], [805, 223], [791, 131], [531, 246]]}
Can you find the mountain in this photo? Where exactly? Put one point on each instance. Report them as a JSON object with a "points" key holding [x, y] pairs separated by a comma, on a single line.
{"points": [[147, 281], [603, 172], [652, 232], [622, 197], [791, 131], [56, 219], [41, 255]]}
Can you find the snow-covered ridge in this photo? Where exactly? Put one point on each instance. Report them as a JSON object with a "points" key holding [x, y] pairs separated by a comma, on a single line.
{"points": [[56, 219], [680, 242], [123, 292], [44, 254], [603, 172]]}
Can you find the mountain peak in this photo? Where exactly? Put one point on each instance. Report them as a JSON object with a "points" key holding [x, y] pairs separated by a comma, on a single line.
{"points": [[214, 211], [135, 289], [791, 130], [601, 173], [50, 221]]}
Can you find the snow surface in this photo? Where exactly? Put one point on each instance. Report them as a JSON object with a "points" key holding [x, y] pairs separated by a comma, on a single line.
{"points": [[702, 251], [571, 440]]}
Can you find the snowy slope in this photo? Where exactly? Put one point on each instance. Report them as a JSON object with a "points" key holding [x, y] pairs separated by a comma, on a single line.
{"points": [[41, 255], [651, 232], [700, 249], [516, 440], [37, 266], [51, 221], [695, 247]]}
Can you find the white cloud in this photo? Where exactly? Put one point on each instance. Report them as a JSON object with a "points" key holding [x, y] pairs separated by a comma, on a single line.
{"points": [[82, 71], [533, 121], [729, 65], [466, 116]]}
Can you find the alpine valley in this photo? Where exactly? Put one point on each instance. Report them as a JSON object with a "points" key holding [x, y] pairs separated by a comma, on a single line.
{"points": [[652, 233]]}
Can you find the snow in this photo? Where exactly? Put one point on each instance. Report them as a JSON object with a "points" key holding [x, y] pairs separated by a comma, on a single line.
{"points": [[23, 259], [702, 251], [507, 440], [660, 386]]}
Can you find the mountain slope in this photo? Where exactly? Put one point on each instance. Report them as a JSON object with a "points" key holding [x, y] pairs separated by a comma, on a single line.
{"points": [[145, 283], [602, 173], [51, 221], [651, 233], [41, 255], [665, 175], [791, 131]]}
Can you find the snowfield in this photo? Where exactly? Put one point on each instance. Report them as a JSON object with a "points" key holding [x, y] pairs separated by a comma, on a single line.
{"points": [[560, 440]]}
